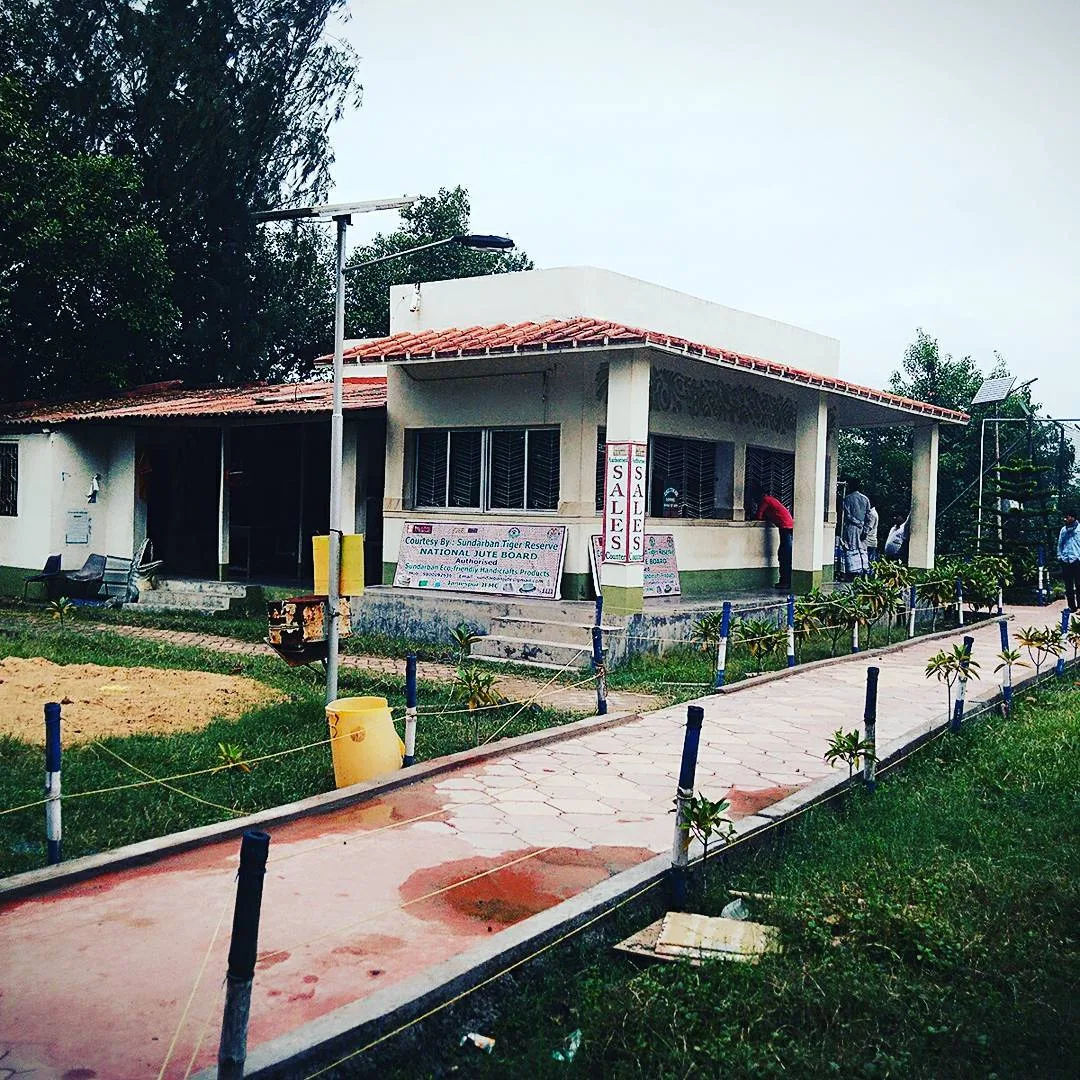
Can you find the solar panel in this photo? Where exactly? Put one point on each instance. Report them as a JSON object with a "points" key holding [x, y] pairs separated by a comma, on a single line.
{"points": [[994, 390]]}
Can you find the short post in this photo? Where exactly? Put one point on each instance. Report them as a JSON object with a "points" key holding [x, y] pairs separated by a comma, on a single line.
{"points": [[599, 621], [232, 1050], [959, 602], [855, 636], [913, 599], [1001, 597], [410, 710], [1041, 592], [870, 722], [599, 670], [1066, 615], [680, 851], [791, 631], [53, 830], [961, 687], [1006, 682], [722, 644]]}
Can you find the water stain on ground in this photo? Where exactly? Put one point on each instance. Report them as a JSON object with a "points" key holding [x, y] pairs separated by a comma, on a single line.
{"points": [[507, 893], [365, 947], [744, 803]]}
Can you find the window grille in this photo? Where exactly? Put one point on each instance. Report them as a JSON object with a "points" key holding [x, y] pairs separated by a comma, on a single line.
{"points": [[770, 472], [9, 479]]}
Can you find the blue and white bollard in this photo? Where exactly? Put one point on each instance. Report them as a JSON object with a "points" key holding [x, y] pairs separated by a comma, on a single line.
{"points": [[53, 830], [1006, 679], [1066, 615], [1001, 597], [410, 710], [599, 670], [913, 600], [680, 850], [959, 602], [1042, 576], [870, 722], [791, 631], [722, 644], [961, 687], [855, 637]]}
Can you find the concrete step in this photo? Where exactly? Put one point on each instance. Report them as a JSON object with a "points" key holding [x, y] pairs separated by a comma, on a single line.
{"points": [[203, 603], [200, 585], [516, 650], [579, 633]]}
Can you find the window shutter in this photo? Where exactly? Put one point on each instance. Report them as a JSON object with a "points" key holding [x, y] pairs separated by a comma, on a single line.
{"points": [[431, 468], [507, 470], [542, 449], [465, 468]]}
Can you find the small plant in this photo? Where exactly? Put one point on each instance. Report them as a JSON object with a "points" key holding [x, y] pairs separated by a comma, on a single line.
{"points": [[705, 819], [761, 638], [475, 687], [707, 630], [808, 610], [1041, 644], [877, 599], [463, 637], [938, 591], [850, 609], [61, 609], [948, 665], [849, 748], [1073, 639], [231, 756], [1009, 658]]}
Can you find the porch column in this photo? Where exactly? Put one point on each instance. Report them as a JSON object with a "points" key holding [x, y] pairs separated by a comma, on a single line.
{"points": [[924, 467], [622, 583], [811, 436], [223, 506]]}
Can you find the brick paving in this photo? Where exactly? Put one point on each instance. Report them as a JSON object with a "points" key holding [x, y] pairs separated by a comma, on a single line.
{"points": [[361, 898]]}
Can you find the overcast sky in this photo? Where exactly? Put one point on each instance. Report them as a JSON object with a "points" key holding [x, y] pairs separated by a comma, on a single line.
{"points": [[855, 168]]}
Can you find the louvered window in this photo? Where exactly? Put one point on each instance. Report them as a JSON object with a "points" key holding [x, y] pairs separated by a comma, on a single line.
{"points": [[601, 443], [522, 470], [690, 478], [9, 479], [769, 472]]}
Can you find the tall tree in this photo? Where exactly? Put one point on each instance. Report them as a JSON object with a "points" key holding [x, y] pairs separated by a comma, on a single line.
{"points": [[367, 310]]}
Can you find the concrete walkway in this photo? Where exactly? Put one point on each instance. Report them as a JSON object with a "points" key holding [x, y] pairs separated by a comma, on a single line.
{"points": [[119, 976]]}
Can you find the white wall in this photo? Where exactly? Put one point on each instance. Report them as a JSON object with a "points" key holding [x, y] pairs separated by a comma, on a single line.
{"points": [[24, 539], [572, 291]]}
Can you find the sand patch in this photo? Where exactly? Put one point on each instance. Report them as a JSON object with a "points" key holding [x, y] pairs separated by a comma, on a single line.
{"points": [[102, 701]]}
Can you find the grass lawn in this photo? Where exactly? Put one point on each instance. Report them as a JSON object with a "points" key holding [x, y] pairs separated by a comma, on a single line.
{"points": [[101, 822], [930, 930]]}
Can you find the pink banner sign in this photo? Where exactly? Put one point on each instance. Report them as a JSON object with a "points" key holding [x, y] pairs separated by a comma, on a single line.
{"points": [[482, 557], [624, 502], [661, 566]]}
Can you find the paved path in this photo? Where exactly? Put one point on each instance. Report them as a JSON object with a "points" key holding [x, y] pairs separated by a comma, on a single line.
{"points": [[514, 688], [119, 976]]}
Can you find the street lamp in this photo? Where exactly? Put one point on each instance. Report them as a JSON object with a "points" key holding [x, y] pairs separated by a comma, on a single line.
{"points": [[477, 242]]}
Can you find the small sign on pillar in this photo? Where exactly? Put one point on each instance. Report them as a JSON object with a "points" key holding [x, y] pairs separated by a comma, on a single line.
{"points": [[624, 502]]}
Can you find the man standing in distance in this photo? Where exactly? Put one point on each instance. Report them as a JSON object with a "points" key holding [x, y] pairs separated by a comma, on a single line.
{"points": [[773, 511], [1069, 554]]}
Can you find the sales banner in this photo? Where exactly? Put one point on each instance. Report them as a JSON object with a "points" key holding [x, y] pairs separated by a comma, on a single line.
{"points": [[661, 566], [624, 502], [488, 557]]}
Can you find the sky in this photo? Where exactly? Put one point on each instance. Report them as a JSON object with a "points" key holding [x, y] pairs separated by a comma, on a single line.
{"points": [[857, 168]]}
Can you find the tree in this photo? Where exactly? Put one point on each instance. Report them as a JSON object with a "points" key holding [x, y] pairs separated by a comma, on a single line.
{"points": [[445, 214], [84, 277]]}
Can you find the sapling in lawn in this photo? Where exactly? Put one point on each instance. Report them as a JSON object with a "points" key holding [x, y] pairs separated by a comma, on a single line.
{"points": [[704, 820], [850, 748], [1041, 643], [948, 665], [1009, 658], [476, 688]]}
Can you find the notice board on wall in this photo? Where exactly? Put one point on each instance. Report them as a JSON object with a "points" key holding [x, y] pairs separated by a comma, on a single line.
{"points": [[661, 566], [482, 557], [77, 527]]}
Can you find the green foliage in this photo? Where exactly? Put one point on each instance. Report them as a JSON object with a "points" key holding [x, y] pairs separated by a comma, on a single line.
{"points": [[1041, 642], [947, 666], [61, 609], [433, 218], [705, 818], [761, 638], [474, 687], [707, 629], [231, 756], [463, 636], [849, 747]]}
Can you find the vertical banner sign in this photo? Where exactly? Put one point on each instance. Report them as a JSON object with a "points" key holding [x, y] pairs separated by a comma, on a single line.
{"points": [[624, 502]]}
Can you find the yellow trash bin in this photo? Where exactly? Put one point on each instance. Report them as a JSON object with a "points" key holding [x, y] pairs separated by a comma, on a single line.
{"points": [[351, 579], [365, 743]]}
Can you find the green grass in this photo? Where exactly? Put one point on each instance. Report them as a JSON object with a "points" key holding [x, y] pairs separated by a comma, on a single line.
{"points": [[102, 822], [929, 931]]}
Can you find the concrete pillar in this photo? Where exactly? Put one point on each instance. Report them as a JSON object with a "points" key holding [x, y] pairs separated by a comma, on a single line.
{"points": [[627, 422], [924, 465], [350, 437], [811, 434], [223, 506]]}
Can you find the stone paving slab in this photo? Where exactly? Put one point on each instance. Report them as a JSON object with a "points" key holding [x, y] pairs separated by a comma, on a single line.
{"points": [[363, 899]]}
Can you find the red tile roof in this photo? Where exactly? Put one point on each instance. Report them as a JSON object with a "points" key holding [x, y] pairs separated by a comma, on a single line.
{"points": [[165, 401], [560, 334]]}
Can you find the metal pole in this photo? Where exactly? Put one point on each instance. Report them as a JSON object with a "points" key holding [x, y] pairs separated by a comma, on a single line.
{"points": [[1066, 615], [599, 670], [722, 644], [410, 710], [791, 631], [232, 1050], [913, 599], [870, 720], [53, 829], [978, 526], [998, 501], [336, 425], [959, 601], [1006, 682], [961, 687], [680, 851]]}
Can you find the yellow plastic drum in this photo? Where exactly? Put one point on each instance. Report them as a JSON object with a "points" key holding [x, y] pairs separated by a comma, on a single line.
{"points": [[351, 579], [365, 743]]}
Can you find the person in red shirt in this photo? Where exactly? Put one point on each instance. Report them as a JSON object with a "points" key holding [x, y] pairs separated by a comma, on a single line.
{"points": [[773, 511]]}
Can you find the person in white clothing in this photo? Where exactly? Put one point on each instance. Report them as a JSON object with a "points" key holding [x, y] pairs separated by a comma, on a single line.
{"points": [[872, 537], [853, 532], [896, 543]]}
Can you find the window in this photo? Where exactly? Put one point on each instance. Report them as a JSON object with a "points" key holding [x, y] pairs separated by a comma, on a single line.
{"points": [[9, 479], [769, 471], [696, 476], [521, 471]]}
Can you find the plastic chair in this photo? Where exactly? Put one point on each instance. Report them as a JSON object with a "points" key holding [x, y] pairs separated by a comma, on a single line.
{"points": [[49, 573], [84, 583]]}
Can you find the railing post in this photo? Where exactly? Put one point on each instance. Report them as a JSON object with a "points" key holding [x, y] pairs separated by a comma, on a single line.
{"points": [[855, 637], [961, 687], [1006, 681], [870, 722], [599, 670], [1001, 597], [680, 851], [243, 949], [1041, 592], [410, 710], [722, 644], [1066, 615], [791, 631], [53, 828], [959, 602], [913, 600]]}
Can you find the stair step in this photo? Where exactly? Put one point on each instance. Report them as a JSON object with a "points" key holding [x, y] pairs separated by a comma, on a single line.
{"points": [[197, 585], [168, 600], [545, 629], [555, 654]]}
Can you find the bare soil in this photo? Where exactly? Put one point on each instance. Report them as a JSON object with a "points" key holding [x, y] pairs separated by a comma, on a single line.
{"points": [[102, 701]]}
